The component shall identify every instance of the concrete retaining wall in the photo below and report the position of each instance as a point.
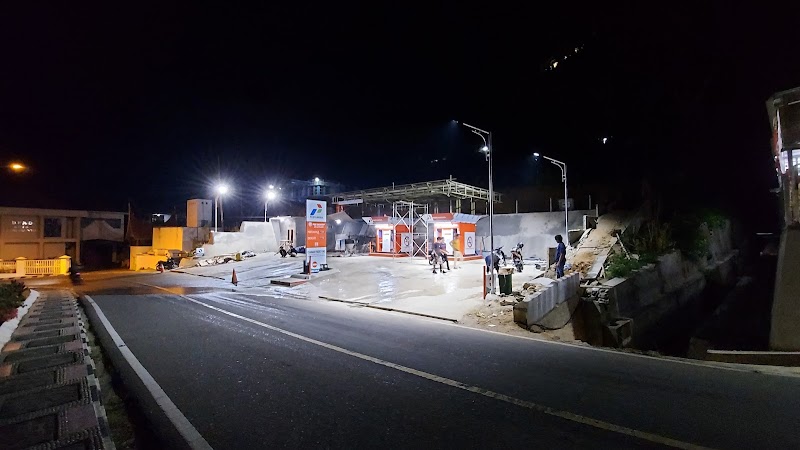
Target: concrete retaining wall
(253, 236)
(535, 230)
(536, 306)
(658, 291)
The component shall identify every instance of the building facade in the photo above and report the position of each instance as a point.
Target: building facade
(300, 190)
(49, 233)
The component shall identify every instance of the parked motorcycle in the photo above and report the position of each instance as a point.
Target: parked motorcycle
(169, 264)
(75, 275)
(292, 251)
(498, 258)
(516, 256)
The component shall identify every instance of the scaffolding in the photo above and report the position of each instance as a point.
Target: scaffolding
(415, 218)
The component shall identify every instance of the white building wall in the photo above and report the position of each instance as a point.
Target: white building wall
(254, 236)
(199, 213)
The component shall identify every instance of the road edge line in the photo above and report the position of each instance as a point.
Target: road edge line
(173, 426)
(385, 308)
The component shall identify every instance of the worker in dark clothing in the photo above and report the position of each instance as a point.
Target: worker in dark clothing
(561, 256)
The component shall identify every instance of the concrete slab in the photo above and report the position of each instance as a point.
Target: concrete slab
(42, 399)
(28, 433)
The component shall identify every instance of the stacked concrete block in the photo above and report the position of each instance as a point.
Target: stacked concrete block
(536, 306)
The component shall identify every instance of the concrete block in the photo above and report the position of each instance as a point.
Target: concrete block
(648, 285)
(671, 269)
(521, 310)
(541, 304)
(622, 297)
(560, 315)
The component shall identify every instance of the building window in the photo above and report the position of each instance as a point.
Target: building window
(52, 227)
(115, 223)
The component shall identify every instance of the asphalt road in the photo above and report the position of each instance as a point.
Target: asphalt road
(290, 372)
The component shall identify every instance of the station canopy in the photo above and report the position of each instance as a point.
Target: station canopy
(416, 192)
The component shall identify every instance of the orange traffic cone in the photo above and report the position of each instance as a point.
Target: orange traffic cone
(233, 278)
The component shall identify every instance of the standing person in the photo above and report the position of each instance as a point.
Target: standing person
(457, 255)
(561, 256)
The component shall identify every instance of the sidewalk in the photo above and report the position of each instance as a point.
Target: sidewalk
(49, 397)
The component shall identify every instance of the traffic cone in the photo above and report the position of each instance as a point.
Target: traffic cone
(233, 278)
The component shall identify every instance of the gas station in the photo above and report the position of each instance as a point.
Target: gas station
(421, 212)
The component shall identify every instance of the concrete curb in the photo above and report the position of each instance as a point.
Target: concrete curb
(169, 423)
(8, 327)
(94, 386)
(385, 308)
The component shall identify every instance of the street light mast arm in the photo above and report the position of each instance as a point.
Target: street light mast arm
(482, 137)
(474, 128)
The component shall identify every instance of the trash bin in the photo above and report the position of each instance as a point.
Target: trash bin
(505, 281)
(505, 284)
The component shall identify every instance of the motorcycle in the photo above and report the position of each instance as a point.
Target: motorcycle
(498, 257)
(292, 251)
(516, 256)
(169, 264)
(75, 275)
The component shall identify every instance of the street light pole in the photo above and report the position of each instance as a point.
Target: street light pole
(563, 166)
(487, 148)
(221, 190)
(270, 195)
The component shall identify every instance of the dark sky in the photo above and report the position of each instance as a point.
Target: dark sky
(148, 104)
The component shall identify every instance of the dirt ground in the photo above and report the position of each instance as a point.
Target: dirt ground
(498, 315)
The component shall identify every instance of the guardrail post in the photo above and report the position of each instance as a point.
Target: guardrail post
(64, 263)
(21, 266)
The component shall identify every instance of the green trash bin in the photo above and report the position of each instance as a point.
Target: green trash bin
(505, 284)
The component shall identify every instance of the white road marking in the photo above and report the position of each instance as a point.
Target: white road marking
(459, 385)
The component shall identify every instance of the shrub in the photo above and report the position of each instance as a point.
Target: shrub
(691, 237)
(11, 297)
(654, 238)
(620, 266)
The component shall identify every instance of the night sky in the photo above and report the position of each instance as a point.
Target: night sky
(148, 105)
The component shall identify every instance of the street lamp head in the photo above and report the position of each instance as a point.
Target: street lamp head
(485, 149)
(271, 195)
(536, 155)
(222, 189)
(17, 167)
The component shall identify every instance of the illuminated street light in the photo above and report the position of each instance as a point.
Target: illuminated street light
(563, 166)
(316, 179)
(487, 149)
(17, 167)
(221, 189)
(269, 196)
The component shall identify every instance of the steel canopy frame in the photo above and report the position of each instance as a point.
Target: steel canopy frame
(417, 191)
